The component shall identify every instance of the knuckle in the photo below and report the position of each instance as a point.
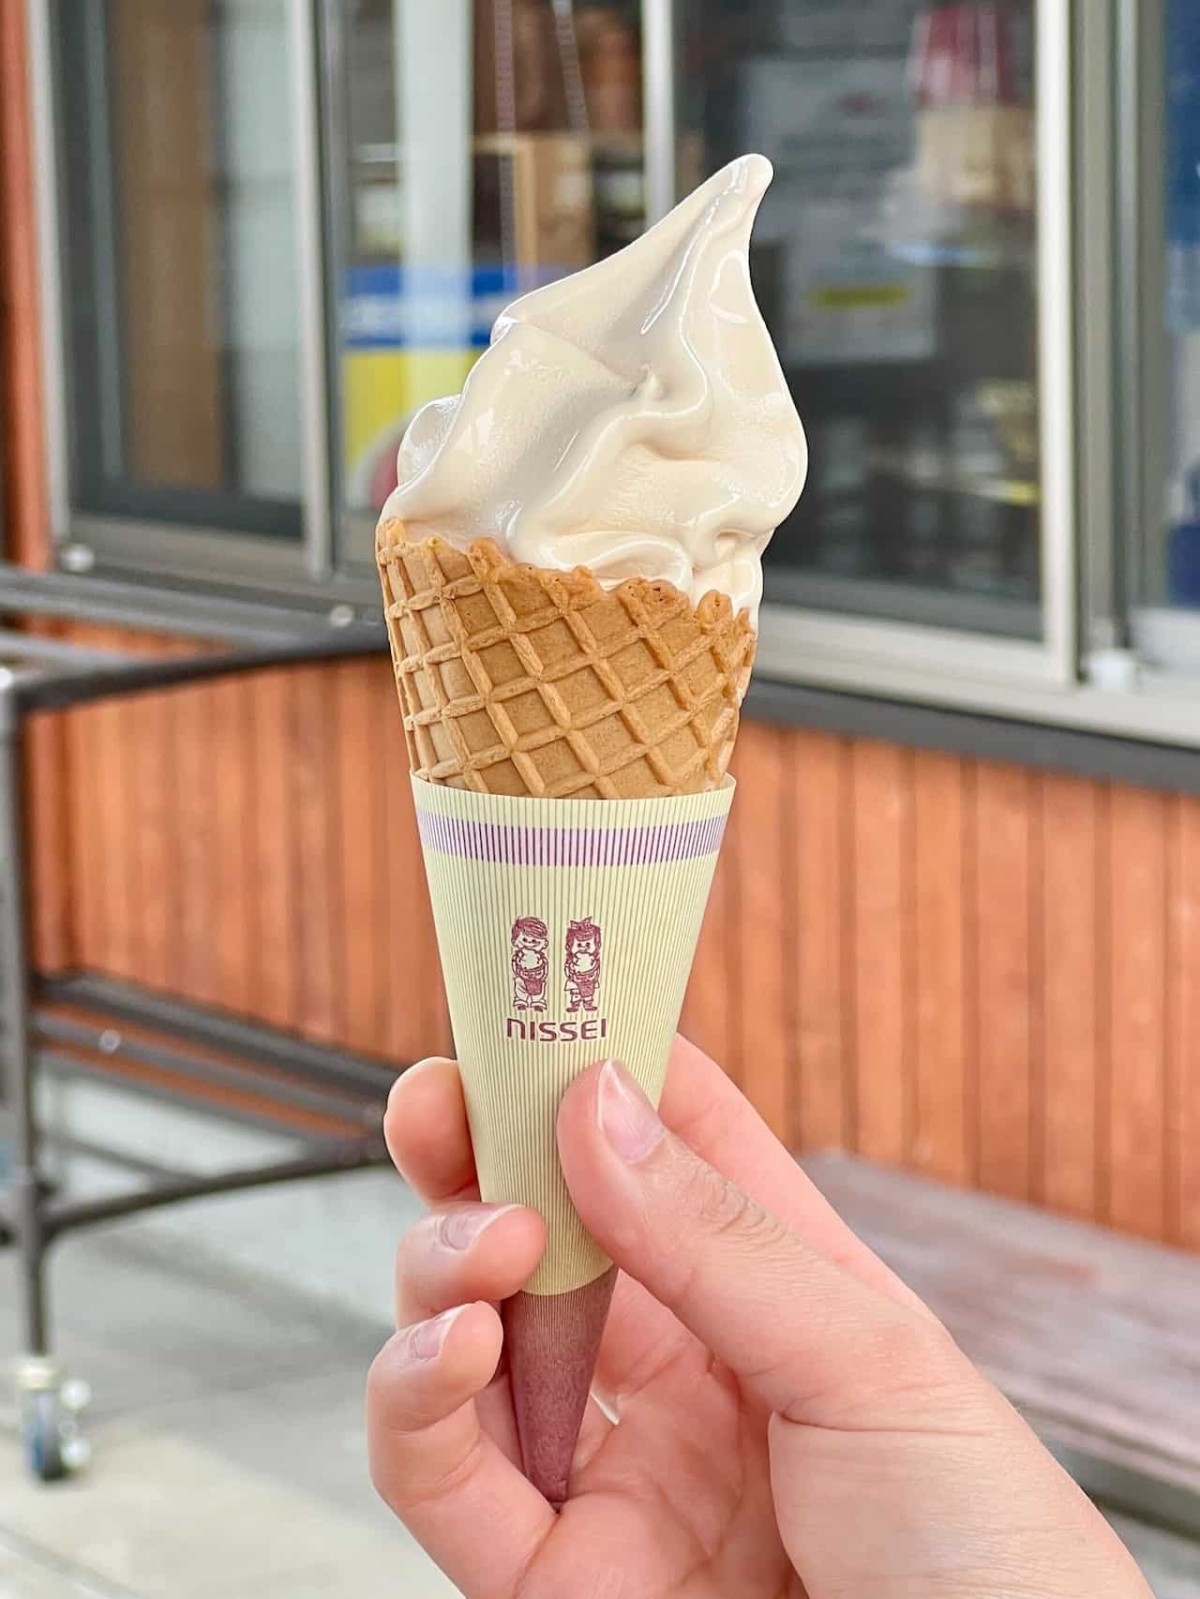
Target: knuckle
(724, 1216)
(707, 1196)
(422, 1240)
(727, 1213)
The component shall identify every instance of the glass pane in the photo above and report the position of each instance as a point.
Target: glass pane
(1173, 567)
(175, 128)
(894, 261)
(477, 150)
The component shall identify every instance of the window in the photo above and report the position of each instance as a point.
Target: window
(475, 151)
(179, 263)
(1167, 565)
(274, 228)
(895, 259)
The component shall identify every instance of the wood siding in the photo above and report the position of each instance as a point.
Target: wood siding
(967, 969)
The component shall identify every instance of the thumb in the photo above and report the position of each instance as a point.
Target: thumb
(873, 1402)
(809, 1340)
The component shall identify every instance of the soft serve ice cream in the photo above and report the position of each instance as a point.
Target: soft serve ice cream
(632, 419)
(570, 568)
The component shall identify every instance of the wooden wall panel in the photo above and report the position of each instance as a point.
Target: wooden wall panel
(711, 1007)
(762, 856)
(52, 926)
(822, 820)
(1071, 1025)
(1183, 986)
(1007, 882)
(944, 1034)
(883, 975)
(82, 757)
(987, 975)
(362, 808)
(271, 826)
(147, 733)
(101, 818)
(194, 726)
(1137, 997)
(148, 727)
(313, 799)
(231, 775)
(412, 991)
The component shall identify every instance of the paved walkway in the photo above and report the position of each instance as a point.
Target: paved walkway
(227, 1428)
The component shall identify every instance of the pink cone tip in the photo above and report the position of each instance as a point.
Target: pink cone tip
(552, 1341)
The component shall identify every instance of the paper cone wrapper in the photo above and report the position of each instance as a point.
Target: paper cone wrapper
(567, 930)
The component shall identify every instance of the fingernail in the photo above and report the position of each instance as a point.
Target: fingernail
(627, 1118)
(425, 1340)
(458, 1229)
(420, 1066)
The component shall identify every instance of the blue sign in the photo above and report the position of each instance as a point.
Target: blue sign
(395, 307)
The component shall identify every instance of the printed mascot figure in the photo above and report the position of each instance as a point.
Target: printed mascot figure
(530, 963)
(582, 965)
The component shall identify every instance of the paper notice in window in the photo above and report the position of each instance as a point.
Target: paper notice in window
(848, 301)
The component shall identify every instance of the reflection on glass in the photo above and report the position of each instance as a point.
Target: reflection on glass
(478, 150)
(180, 261)
(894, 261)
(1174, 574)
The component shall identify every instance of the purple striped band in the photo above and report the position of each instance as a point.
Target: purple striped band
(570, 846)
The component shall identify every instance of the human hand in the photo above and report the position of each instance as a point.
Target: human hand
(792, 1420)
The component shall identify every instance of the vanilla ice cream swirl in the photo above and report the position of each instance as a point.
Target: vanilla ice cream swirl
(632, 418)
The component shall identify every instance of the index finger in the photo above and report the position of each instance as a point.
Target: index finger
(425, 1128)
(430, 1142)
(433, 1463)
(429, 1139)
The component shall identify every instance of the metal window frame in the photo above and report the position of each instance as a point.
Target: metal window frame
(353, 528)
(122, 544)
(845, 651)
(1101, 588)
(660, 122)
(1161, 635)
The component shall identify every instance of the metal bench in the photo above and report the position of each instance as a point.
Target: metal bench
(83, 1025)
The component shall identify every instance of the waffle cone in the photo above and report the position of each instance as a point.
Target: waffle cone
(520, 680)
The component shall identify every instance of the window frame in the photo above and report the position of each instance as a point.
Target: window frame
(836, 648)
(1092, 668)
(118, 543)
(1157, 631)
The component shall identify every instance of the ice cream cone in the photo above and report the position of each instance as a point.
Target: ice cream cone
(569, 724)
(518, 680)
(520, 685)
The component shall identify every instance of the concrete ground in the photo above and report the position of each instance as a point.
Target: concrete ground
(226, 1421)
(226, 1343)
